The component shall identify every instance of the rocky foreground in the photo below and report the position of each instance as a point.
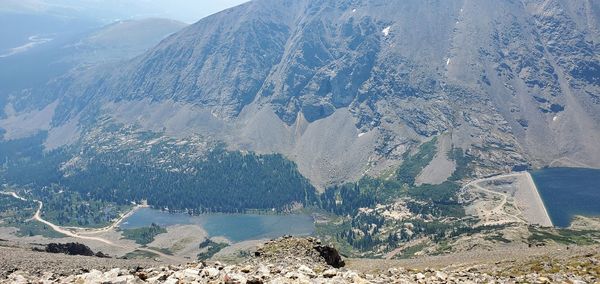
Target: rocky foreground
(306, 260)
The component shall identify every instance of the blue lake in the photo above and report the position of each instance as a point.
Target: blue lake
(235, 227)
(569, 191)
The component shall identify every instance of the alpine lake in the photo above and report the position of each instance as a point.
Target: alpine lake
(234, 227)
(567, 192)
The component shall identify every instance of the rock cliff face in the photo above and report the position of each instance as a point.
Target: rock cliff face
(343, 88)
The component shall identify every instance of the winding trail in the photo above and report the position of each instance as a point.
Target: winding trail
(486, 216)
(499, 209)
(37, 217)
(113, 226)
(67, 230)
(13, 194)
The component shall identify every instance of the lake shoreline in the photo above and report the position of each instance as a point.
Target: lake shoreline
(234, 227)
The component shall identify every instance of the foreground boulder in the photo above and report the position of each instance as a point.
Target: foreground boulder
(289, 249)
(70, 249)
(331, 256)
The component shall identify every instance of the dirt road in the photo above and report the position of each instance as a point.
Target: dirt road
(68, 231)
(534, 212)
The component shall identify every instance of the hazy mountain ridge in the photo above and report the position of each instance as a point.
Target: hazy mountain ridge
(51, 55)
(108, 11)
(122, 40)
(514, 82)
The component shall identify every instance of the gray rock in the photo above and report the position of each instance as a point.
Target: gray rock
(329, 273)
(211, 272)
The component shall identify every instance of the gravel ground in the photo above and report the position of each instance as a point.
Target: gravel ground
(466, 259)
(36, 263)
(305, 260)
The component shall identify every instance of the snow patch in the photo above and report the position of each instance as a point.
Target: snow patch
(386, 31)
(361, 134)
(353, 10)
(448, 61)
(555, 118)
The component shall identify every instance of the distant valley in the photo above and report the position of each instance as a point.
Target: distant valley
(51, 51)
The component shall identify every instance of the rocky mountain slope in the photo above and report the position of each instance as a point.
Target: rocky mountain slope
(291, 260)
(345, 88)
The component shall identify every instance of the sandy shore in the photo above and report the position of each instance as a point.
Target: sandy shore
(181, 240)
(585, 223)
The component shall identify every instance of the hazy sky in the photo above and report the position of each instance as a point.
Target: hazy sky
(188, 11)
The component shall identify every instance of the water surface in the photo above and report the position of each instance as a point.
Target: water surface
(568, 192)
(235, 227)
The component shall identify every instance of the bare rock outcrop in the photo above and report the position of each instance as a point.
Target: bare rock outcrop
(70, 249)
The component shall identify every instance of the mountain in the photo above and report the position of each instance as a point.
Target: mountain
(36, 35)
(346, 88)
(121, 40)
(403, 127)
(46, 47)
(28, 39)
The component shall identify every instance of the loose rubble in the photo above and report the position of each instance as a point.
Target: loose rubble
(300, 260)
